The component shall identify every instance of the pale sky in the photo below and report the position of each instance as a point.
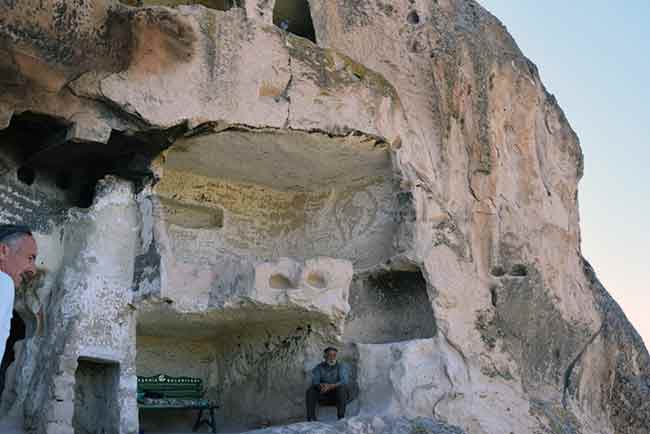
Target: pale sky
(594, 56)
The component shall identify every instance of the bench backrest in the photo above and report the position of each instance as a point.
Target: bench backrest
(171, 387)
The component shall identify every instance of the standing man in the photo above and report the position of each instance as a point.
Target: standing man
(17, 265)
(329, 383)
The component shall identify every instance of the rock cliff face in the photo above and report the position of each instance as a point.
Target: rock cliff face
(221, 188)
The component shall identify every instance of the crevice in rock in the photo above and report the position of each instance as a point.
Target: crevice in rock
(494, 298)
(294, 16)
(218, 127)
(285, 93)
(571, 367)
(460, 353)
(220, 5)
(133, 119)
(540, 143)
(470, 174)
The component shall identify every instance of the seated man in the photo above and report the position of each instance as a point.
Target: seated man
(329, 383)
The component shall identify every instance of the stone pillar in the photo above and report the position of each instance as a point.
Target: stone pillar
(92, 321)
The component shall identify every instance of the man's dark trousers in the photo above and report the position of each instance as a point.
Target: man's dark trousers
(338, 396)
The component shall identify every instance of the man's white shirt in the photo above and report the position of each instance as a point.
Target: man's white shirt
(7, 294)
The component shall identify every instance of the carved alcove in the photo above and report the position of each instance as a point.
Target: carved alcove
(294, 16)
(389, 306)
(96, 406)
(248, 221)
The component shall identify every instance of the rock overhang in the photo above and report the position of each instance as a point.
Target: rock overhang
(160, 319)
(282, 159)
(242, 72)
(237, 72)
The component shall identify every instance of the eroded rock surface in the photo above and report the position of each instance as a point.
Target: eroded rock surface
(219, 189)
(375, 425)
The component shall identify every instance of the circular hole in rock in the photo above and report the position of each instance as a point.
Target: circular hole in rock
(413, 18)
(26, 175)
(316, 280)
(279, 281)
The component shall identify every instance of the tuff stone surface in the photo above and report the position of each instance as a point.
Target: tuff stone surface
(373, 425)
(214, 196)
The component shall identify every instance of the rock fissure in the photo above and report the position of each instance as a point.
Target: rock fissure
(570, 368)
(285, 93)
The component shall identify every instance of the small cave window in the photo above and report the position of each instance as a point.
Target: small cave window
(294, 16)
(413, 18)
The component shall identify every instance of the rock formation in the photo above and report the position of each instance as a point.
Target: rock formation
(220, 188)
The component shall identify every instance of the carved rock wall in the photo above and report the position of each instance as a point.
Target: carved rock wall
(207, 186)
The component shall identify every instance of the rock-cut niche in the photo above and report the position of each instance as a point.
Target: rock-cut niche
(45, 159)
(264, 194)
(294, 16)
(96, 408)
(389, 306)
(35, 146)
(229, 199)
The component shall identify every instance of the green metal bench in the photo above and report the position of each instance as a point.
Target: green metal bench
(164, 392)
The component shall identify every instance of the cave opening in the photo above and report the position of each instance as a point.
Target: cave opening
(48, 157)
(294, 16)
(230, 199)
(255, 372)
(389, 306)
